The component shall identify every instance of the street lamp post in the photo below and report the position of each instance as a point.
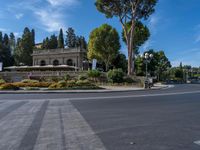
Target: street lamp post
(148, 57)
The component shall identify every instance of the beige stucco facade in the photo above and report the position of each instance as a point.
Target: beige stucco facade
(72, 57)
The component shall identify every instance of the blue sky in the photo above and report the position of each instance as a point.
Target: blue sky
(175, 26)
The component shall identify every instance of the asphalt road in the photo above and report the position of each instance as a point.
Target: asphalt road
(141, 120)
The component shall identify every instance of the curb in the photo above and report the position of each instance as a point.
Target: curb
(84, 91)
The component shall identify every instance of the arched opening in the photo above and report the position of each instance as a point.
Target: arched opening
(70, 62)
(55, 62)
(42, 63)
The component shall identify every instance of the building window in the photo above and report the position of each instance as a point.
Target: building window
(42, 63)
(55, 62)
(70, 62)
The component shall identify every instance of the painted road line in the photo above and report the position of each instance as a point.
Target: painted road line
(29, 139)
(78, 133)
(15, 124)
(10, 108)
(134, 96)
(51, 132)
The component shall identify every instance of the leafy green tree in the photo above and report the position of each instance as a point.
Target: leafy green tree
(104, 44)
(61, 39)
(141, 35)
(127, 11)
(179, 73)
(46, 44)
(5, 52)
(53, 42)
(6, 40)
(71, 38)
(81, 42)
(24, 48)
(12, 43)
(157, 66)
(139, 66)
(1, 38)
(120, 62)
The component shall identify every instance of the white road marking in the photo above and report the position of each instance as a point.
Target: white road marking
(197, 142)
(64, 128)
(15, 125)
(79, 135)
(106, 97)
(132, 96)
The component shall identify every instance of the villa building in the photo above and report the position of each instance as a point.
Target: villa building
(56, 57)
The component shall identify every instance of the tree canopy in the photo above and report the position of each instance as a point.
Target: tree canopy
(61, 39)
(141, 35)
(104, 44)
(127, 11)
(24, 49)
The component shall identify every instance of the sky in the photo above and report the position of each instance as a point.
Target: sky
(174, 27)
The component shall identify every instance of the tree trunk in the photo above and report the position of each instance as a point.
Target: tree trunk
(130, 58)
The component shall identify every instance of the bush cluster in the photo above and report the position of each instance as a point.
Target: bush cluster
(94, 73)
(36, 84)
(2, 81)
(116, 76)
(71, 84)
(29, 81)
(8, 86)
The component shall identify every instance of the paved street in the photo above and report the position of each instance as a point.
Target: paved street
(167, 119)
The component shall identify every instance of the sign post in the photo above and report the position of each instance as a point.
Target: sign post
(1, 66)
(94, 64)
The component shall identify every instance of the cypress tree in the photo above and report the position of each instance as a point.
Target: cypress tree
(33, 36)
(53, 43)
(61, 39)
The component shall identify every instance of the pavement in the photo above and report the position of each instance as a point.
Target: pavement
(164, 119)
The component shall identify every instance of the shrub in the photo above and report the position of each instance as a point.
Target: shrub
(82, 77)
(71, 83)
(62, 83)
(116, 75)
(53, 86)
(8, 86)
(83, 83)
(38, 84)
(2, 81)
(29, 81)
(128, 80)
(94, 73)
(67, 77)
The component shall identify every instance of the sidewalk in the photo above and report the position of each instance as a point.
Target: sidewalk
(106, 89)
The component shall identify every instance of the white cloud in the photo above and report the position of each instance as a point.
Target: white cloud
(3, 29)
(18, 34)
(153, 22)
(49, 17)
(19, 16)
(147, 45)
(51, 21)
(62, 2)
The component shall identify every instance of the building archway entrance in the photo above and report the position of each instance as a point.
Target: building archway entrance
(55, 62)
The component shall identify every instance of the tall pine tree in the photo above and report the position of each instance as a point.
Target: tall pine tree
(61, 39)
(25, 48)
(71, 38)
(53, 43)
(12, 43)
(33, 36)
